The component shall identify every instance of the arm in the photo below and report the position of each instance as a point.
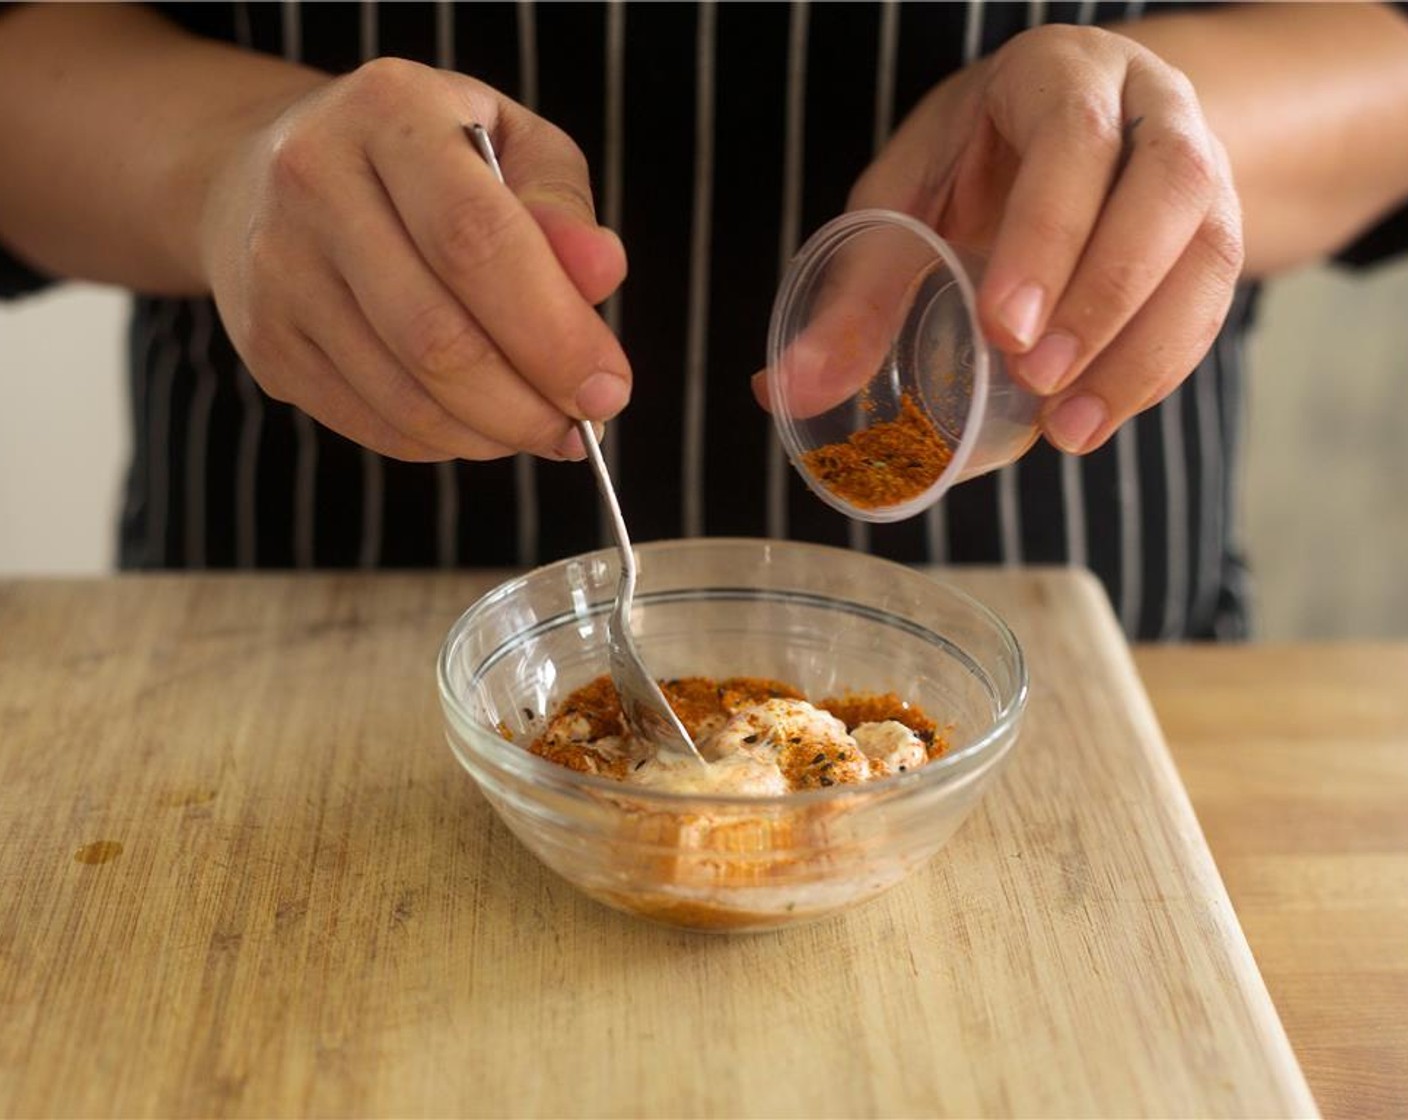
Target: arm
(368, 266)
(109, 167)
(1311, 102)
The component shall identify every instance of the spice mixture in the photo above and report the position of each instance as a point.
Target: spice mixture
(762, 737)
(885, 464)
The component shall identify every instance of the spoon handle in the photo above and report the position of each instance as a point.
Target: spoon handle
(642, 703)
(613, 506)
(480, 137)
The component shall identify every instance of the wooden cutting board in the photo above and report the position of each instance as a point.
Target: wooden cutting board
(242, 875)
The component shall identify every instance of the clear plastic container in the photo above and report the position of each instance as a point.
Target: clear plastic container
(882, 387)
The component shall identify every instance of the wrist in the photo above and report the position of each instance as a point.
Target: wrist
(208, 177)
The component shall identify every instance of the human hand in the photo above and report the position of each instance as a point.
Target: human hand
(1081, 165)
(372, 271)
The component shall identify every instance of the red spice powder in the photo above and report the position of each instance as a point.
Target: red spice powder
(701, 700)
(885, 464)
(696, 700)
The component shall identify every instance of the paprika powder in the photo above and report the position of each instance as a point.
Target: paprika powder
(885, 464)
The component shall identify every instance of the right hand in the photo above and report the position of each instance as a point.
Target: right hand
(371, 270)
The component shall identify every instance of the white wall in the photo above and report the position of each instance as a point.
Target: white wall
(63, 440)
(1327, 472)
(1327, 469)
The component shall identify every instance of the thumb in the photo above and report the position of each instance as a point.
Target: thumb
(852, 288)
(866, 286)
(592, 256)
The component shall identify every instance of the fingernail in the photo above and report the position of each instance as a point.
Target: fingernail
(1074, 421)
(602, 396)
(759, 385)
(1046, 363)
(1020, 313)
(616, 237)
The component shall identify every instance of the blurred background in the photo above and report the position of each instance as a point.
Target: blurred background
(1325, 505)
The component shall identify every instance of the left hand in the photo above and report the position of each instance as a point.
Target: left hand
(1082, 166)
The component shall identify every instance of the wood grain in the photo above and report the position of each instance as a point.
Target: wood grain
(1296, 758)
(314, 912)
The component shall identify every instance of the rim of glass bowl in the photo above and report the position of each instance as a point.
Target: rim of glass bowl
(522, 763)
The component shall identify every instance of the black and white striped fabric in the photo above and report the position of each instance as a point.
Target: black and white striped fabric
(720, 136)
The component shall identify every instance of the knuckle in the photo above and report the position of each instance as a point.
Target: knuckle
(373, 430)
(1221, 238)
(475, 232)
(1046, 40)
(421, 420)
(1188, 165)
(1180, 85)
(1067, 47)
(296, 162)
(350, 418)
(1165, 380)
(1090, 120)
(1048, 226)
(567, 185)
(385, 84)
(543, 434)
(442, 344)
(1118, 286)
(401, 402)
(1162, 377)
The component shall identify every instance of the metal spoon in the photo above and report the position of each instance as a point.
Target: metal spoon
(643, 706)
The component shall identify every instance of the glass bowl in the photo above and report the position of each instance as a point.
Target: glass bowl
(825, 620)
